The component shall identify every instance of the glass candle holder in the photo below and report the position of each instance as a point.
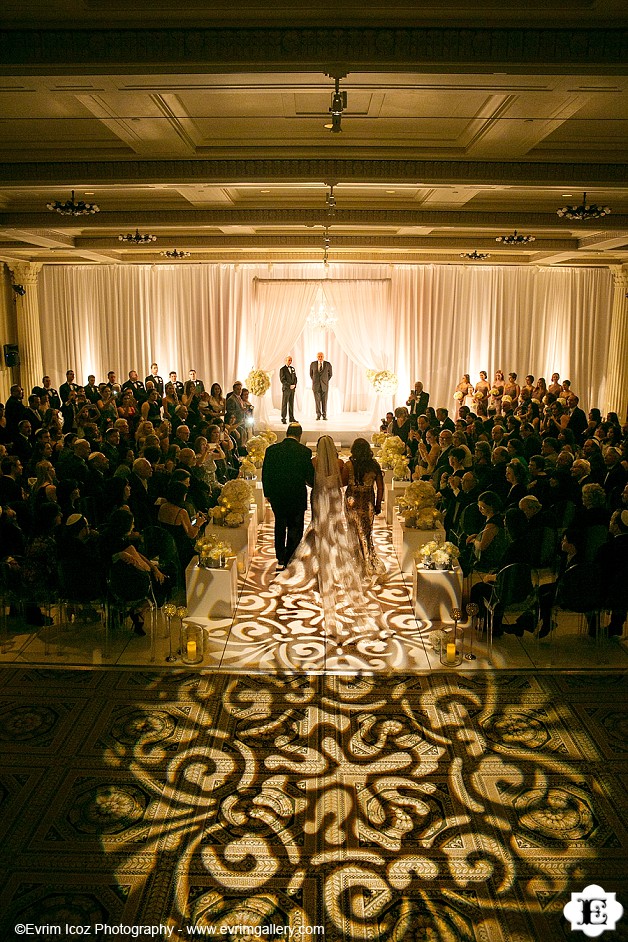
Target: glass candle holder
(191, 643)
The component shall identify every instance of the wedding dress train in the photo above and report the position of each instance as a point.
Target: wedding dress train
(325, 560)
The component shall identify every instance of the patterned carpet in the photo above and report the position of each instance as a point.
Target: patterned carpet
(395, 808)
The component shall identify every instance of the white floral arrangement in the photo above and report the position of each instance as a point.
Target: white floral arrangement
(233, 504)
(562, 401)
(494, 391)
(418, 507)
(392, 448)
(458, 395)
(268, 435)
(256, 449)
(212, 550)
(258, 382)
(479, 395)
(378, 439)
(506, 399)
(401, 469)
(435, 555)
(248, 468)
(383, 381)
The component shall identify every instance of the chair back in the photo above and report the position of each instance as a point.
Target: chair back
(580, 589)
(514, 584)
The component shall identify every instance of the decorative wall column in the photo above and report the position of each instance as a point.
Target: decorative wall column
(28, 329)
(617, 371)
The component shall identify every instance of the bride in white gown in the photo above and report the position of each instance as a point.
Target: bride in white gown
(325, 560)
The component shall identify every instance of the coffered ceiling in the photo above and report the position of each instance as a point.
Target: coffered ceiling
(452, 135)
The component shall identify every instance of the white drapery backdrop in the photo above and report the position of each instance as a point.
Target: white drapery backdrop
(432, 323)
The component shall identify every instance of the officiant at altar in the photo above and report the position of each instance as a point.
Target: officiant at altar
(320, 373)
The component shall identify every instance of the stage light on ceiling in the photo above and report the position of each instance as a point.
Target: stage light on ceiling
(583, 212)
(137, 238)
(72, 207)
(338, 105)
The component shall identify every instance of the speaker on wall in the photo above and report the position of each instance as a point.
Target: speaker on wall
(11, 354)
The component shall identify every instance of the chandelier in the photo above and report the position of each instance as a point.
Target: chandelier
(320, 317)
(326, 246)
(584, 212)
(330, 202)
(515, 238)
(338, 105)
(475, 256)
(137, 238)
(175, 254)
(72, 208)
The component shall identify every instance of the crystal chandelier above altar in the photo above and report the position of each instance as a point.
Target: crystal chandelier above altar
(321, 317)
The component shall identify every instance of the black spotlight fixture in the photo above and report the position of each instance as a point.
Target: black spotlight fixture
(338, 105)
(20, 290)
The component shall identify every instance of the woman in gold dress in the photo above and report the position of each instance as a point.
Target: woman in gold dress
(364, 482)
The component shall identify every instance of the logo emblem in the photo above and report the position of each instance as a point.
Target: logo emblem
(593, 911)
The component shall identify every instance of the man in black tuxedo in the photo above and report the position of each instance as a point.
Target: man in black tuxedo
(288, 378)
(286, 473)
(48, 389)
(178, 385)
(577, 419)
(419, 400)
(199, 385)
(320, 374)
(136, 386)
(155, 379)
(66, 388)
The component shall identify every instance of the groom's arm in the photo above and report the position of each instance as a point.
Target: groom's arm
(330, 372)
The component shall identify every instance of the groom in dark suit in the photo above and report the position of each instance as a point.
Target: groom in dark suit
(286, 473)
(320, 374)
(288, 378)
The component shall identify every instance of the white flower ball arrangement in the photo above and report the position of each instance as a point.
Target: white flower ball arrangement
(248, 468)
(383, 381)
(233, 504)
(258, 382)
(256, 449)
(458, 396)
(401, 470)
(392, 448)
(506, 400)
(378, 439)
(418, 507)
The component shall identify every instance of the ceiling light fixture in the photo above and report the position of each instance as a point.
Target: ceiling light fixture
(515, 238)
(327, 244)
(73, 208)
(338, 105)
(583, 212)
(475, 256)
(174, 253)
(330, 202)
(137, 238)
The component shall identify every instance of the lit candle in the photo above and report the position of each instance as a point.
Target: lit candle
(191, 650)
(451, 654)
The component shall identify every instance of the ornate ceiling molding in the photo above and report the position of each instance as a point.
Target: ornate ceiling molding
(202, 49)
(316, 170)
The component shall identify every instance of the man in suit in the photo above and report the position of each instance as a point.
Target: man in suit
(320, 374)
(136, 386)
(288, 378)
(419, 400)
(178, 385)
(577, 419)
(286, 473)
(199, 385)
(47, 389)
(66, 388)
(155, 379)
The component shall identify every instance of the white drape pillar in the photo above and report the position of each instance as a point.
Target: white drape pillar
(617, 376)
(28, 325)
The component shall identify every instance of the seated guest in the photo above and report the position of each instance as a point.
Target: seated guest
(174, 518)
(39, 566)
(133, 577)
(612, 561)
(83, 575)
(490, 544)
(517, 477)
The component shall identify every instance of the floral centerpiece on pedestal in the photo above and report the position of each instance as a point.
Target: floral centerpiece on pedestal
(233, 504)
(435, 555)
(392, 449)
(401, 469)
(258, 382)
(248, 470)
(212, 551)
(378, 439)
(256, 448)
(383, 381)
(418, 507)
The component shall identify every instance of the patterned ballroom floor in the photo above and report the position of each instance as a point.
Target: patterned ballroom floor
(398, 808)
